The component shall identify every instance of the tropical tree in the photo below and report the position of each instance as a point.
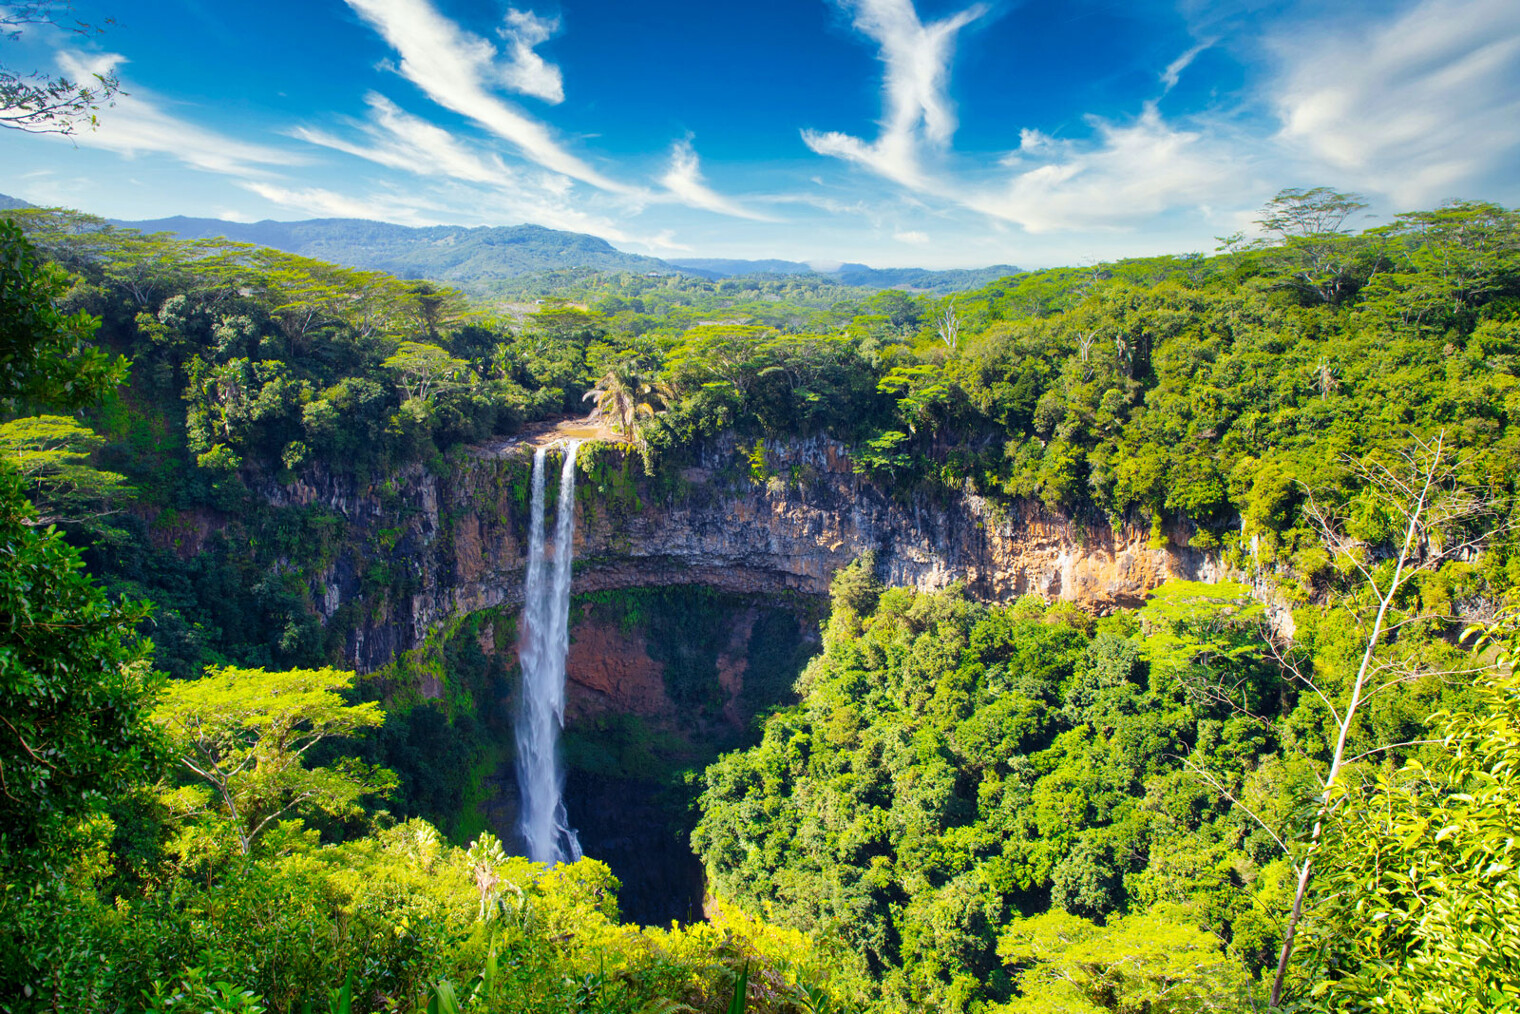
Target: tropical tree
(40, 103)
(1311, 226)
(45, 355)
(423, 370)
(558, 321)
(51, 453)
(486, 857)
(147, 268)
(1448, 261)
(623, 395)
(1420, 885)
(246, 733)
(75, 683)
(1195, 632)
(74, 678)
(1416, 508)
(1156, 962)
(718, 357)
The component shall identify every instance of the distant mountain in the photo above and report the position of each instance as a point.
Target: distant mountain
(479, 259)
(468, 257)
(954, 280)
(854, 274)
(720, 267)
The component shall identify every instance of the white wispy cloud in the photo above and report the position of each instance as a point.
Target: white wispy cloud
(1418, 107)
(913, 236)
(1173, 72)
(451, 202)
(526, 71)
(917, 108)
(823, 203)
(456, 69)
(331, 204)
(664, 240)
(684, 180)
(400, 140)
(1126, 174)
(138, 124)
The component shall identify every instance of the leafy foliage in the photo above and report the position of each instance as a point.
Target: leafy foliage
(74, 685)
(52, 453)
(979, 807)
(1419, 902)
(74, 682)
(45, 355)
(1157, 962)
(246, 733)
(1018, 805)
(943, 774)
(35, 102)
(393, 921)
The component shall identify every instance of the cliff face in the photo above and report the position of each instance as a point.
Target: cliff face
(453, 544)
(715, 583)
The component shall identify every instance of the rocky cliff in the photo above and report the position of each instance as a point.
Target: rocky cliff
(699, 594)
(450, 544)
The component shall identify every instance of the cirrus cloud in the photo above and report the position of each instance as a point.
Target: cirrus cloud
(684, 180)
(526, 71)
(1423, 104)
(456, 68)
(138, 123)
(917, 110)
(1128, 173)
(400, 140)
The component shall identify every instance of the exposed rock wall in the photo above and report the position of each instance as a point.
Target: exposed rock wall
(455, 543)
(658, 681)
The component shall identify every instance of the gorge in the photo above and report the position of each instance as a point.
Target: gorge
(751, 553)
(928, 653)
(462, 540)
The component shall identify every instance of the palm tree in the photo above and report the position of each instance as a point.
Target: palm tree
(624, 394)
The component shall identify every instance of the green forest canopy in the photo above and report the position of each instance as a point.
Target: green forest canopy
(993, 807)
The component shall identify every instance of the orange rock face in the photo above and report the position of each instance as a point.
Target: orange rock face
(610, 671)
(461, 543)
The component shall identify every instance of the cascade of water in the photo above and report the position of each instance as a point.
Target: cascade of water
(546, 640)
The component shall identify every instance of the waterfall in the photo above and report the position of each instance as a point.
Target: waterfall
(546, 639)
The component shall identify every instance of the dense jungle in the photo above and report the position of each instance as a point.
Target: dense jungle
(1134, 637)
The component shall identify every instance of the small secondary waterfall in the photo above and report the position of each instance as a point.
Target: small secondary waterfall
(546, 639)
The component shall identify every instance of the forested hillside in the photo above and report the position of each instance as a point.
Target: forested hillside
(966, 805)
(506, 261)
(479, 258)
(920, 279)
(992, 803)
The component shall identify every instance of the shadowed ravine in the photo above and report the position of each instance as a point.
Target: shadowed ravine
(651, 553)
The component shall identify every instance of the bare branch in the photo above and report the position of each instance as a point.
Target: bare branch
(1437, 519)
(948, 326)
(1287, 662)
(1392, 746)
(1218, 787)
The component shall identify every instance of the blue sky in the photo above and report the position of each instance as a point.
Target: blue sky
(884, 131)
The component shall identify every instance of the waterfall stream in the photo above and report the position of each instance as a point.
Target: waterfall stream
(546, 640)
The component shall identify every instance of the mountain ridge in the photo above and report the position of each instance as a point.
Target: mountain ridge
(479, 258)
(446, 253)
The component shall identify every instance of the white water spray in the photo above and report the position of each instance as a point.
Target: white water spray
(546, 640)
